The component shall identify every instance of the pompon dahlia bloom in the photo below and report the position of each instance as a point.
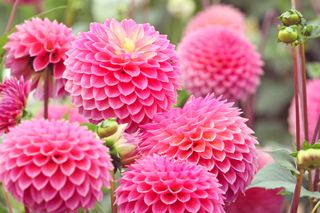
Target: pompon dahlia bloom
(259, 199)
(54, 166)
(58, 112)
(313, 99)
(39, 46)
(209, 132)
(123, 70)
(223, 15)
(218, 60)
(160, 184)
(13, 100)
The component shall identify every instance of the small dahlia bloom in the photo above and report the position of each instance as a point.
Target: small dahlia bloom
(313, 100)
(54, 166)
(57, 112)
(223, 15)
(209, 132)
(259, 199)
(37, 47)
(218, 60)
(13, 100)
(124, 70)
(159, 184)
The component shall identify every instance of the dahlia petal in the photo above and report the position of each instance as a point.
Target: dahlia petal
(40, 62)
(49, 168)
(58, 180)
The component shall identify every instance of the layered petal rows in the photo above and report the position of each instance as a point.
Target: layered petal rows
(54, 166)
(219, 60)
(158, 184)
(209, 132)
(123, 70)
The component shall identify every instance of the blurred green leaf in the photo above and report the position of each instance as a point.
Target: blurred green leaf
(183, 96)
(313, 70)
(90, 126)
(315, 33)
(283, 158)
(3, 41)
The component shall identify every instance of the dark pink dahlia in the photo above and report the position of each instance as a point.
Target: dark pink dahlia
(219, 60)
(36, 48)
(158, 184)
(13, 100)
(54, 166)
(209, 132)
(124, 70)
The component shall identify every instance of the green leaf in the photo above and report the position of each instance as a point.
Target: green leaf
(275, 176)
(283, 158)
(3, 41)
(183, 96)
(313, 70)
(90, 126)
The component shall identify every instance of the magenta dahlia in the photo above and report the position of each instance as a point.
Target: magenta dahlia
(13, 100)
(54, 166)
(209, 132)
(218, 60)
(259, 199)
(313, 100)
(36, 48)
(124, 70)
(218, 15)
(158, 184)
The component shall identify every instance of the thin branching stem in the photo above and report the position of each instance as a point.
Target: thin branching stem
(7, 199)
(114, 208)
(46, 93)
(12, 15)
(296, 194)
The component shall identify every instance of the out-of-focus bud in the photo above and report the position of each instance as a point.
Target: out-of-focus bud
(107, 128)
(181, 8)
(291, 17)
(309, 159)
(288, 35)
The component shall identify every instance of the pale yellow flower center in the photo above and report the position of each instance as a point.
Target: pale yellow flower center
(129, 44)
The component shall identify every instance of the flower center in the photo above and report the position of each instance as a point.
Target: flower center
(129, 44)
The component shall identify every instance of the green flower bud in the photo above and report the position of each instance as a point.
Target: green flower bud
(288, 35)
(309, 159)
(107, 128)
(307, 30)
(291, 17)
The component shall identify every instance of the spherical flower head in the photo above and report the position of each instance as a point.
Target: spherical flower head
(313, 100)
(54, 166)
(259, 199)
(158, 184)
(38, 47)
(13, 100)
(124, 70)
(209, 132)
(222, 15)
(58, 112)
(219, 60)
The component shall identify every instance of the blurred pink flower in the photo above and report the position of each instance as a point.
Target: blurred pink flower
(124, 70)
(313, 99)
(218, 60)
(13, 100)
(223, 15)
(158, 184)
(259, 199)
(209, 132)
(54, 166)
(36, 47)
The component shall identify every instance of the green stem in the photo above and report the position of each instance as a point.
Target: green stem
(314, 210)
(46, 94)
(12, 15)
(296, 194)
(114, 208)
(7, 199)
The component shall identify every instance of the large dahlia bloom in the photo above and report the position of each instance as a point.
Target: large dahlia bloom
(209, 132)
(259, 199)
(36, 49)
(313, 99)
(223, 15)
(158, 184)
(54, 166)
(218, 60)
(13, 100)
(124, 70)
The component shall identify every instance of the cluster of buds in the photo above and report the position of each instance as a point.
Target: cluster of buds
(122, 145)
(293, 28)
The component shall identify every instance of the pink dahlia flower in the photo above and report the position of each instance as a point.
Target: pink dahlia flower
(259, 199)
(158, 184)
(218, 60)
(218, 15)
(57, 112)
(209, 132)
(124, 70)
(39, 46)
(313, 99)
(13, 100)
(54, 166)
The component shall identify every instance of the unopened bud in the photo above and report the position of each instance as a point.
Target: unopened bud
(107, 128)
(291, 17)
(309, 159)
(288, 35)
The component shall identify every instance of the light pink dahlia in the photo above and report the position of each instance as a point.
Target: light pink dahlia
(223, 15)
(313, 99)
(39, 46)
(124, 70)
(218, 60)
(57, 112)
(54, 166)
(259, 199)
(13, 100)
(158, 184)
(209, 132)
